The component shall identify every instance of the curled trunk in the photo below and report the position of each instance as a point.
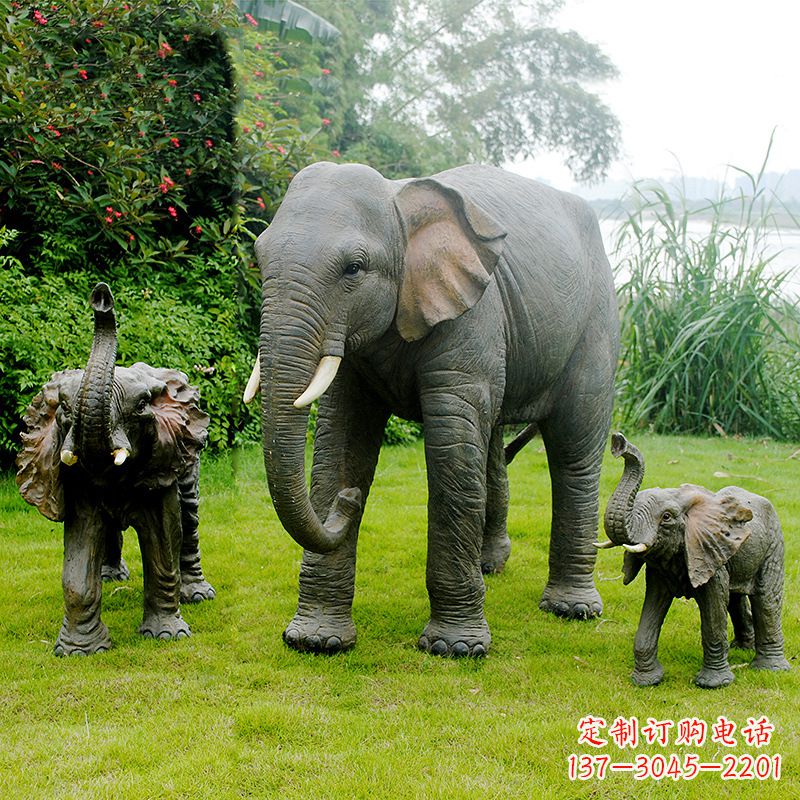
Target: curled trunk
(92, 423)
(620, 507)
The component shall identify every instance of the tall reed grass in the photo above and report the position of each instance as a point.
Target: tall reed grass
(710, 336)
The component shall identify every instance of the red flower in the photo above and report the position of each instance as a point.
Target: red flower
(56, 165)
(209, 143)
(175, 141)
(261, 203)
(172, 212)
(83, 74)
(198, 230)
(98, 24)
(172, 82)
(325, 122)
(245, 129)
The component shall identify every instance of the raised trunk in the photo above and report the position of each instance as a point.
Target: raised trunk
(620, 507)
(287, 365)
(92, 421)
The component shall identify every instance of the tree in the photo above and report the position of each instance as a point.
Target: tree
(423, 86)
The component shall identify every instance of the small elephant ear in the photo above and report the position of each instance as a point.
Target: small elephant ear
(452, 248)
(39, 462)
(716, 527)
(181, 427)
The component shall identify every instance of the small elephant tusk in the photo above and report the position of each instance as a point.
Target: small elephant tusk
(323, 378)
(635, 548)
(68, 457)
(604, 545)
(120, 456)
(253, 383)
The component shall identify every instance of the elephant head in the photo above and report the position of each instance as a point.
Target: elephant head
(104, 423)
(375, 255)
(701, 528)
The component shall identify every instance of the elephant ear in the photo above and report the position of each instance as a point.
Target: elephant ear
(716, 527)
(39, 461)
(452, 248)
(181, 428)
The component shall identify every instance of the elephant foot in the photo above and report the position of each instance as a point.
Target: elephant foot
(441, 639)
(195, 591)
(165, 626)
(115, 572)
(571, 602)
(714, 678)
(774, 663)
(494, 554)
(648, 677)
(76, 643)
(326, 634)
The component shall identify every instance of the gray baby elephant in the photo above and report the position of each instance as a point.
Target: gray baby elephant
(717, 548)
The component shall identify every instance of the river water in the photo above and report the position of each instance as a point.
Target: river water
(782, 243)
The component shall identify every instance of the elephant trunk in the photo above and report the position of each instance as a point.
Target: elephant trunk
(92, 425)
(617, 519)
(288, 362)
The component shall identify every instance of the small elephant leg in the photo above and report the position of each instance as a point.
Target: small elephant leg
(712, 598)
(194, 586)
(114, 566)
(350, 426)
(742, 619)
(83, 632)
(158, 524)
(766, 602)
(657, 601)
(496, 544)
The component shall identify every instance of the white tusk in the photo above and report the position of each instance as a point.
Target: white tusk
(120, 456)
(604, 545)
(68, 457)
(635, 548)
(253, 384)
(323, 378)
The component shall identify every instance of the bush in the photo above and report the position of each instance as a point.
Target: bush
(709, 341)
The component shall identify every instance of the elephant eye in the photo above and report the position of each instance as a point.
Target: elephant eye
(353, 268)
(666, 516)
(141, 406)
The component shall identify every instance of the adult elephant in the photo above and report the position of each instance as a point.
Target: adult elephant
(468, 300)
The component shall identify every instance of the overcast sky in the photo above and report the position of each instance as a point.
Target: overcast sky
(702, 82)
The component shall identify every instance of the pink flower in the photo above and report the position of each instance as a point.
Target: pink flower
(260, 125)
(109, 220)
(166, 184)
(98, 24)
(209, 143)
(245, 129)
(164, 50)
(325, 122)
(131, 237)
(175, 141)
(326, 71)
(110, 209)
(258, 46)
(188, 172)
(251, 21)
(261, 203)
(198, 230)
(39, 18)
(336, 154)
(196, 97)
(83, 74)
(172, 212)
(56, 166)
(258, 74)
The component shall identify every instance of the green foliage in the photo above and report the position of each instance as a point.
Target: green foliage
(233, 713)
(418, 87)
(709, 338)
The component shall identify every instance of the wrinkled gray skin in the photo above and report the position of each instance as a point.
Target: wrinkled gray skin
(66, 468)
(466, 301)
(719, 549)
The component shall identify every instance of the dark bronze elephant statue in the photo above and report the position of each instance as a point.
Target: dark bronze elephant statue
(469, 300)
(107, 448)
(719, 548)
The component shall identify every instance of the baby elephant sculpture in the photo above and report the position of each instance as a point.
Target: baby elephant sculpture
(107, 448)
(717, 548)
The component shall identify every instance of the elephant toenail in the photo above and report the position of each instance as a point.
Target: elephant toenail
(334, 644)
(478, 651)
(314, 643)
(439, 647)
(423, 643)
(580, 611)
(459, 650)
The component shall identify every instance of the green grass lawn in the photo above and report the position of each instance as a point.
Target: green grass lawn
(233, 713)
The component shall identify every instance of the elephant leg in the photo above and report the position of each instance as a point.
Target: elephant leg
(742, 619)
(496, 544)
(712, 598)
(158, 523)
(574, 436)
(83, 632)
(456, 447)
(114, 566)
(350, 426)
(194, 586)
(657, 601)
(766, 602)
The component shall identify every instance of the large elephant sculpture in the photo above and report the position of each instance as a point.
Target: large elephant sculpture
(719, 548)
(107, 448)
(468, 300)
